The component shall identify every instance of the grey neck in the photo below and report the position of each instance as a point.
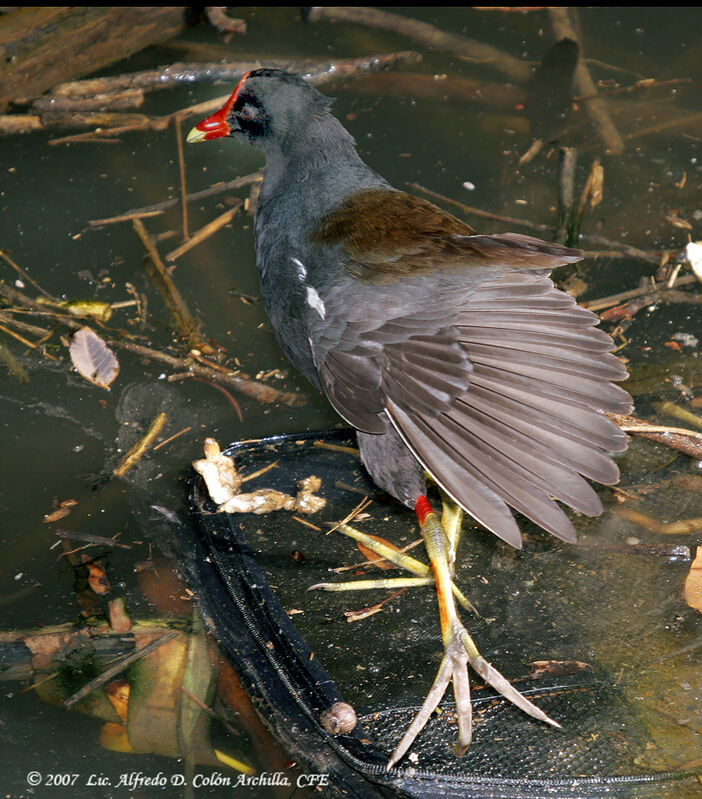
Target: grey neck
(324, 161)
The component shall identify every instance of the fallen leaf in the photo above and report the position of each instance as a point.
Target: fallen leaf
(97, 577)
(92, 358)
(556, 668)
(368, 554)
(693, 583)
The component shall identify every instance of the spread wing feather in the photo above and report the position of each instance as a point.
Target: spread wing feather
(503, 406)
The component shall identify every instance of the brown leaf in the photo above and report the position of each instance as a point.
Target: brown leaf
(97, 577)
(556, 668)
(368, 554)
(625, 311)
(693, 583)
(92, 358)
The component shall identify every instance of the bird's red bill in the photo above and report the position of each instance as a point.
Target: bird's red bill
(216, 125)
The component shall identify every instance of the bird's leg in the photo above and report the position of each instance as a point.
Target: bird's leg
(451, 518)
(454, 666)
(459, 649)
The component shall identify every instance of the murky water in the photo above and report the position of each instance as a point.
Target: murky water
(59, 434)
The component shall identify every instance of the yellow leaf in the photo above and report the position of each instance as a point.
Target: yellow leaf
(693, 583)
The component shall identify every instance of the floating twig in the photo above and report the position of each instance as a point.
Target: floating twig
(188, 328)
(91, 539)
(125, 217)
(222, 390)
(363, 613)
(205, 232)
(103, 101)
(681, 527)
(136, 453)
(687, 441)
(676, 412)
(157, 208)
(252, 388)
(172, 438)
(181, 174)
(24, 275)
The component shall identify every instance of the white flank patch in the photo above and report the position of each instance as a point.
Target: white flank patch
(301, 270)
(315, 301)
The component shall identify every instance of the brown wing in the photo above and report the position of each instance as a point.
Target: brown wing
(389, 235)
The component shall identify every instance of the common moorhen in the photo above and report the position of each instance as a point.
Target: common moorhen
(450, 352)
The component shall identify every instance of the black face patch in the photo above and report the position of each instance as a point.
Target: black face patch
(249, 116)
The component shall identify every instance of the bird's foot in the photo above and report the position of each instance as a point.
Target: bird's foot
(458, 653)
(453, 668)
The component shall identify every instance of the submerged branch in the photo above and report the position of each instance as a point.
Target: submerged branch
(425, 34)
(252, 388)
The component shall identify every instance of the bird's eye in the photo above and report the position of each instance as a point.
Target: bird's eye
(248, 111)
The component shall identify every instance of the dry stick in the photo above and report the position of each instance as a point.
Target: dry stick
(157, 208)
(671, 409)
(108, 674)
(205, 232)
(172, 438)
(103, 101)
(231, 72)
(186, 325)
(584, 85)
(136, 453)
(661, 126)
(643, 84)
(634, 252)
(687, 441)
(35, 329)
(126, 217)
(181, 172)
(316, 73)
(425, 34)
(623, 296)
(251, 388)
(19, 338)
